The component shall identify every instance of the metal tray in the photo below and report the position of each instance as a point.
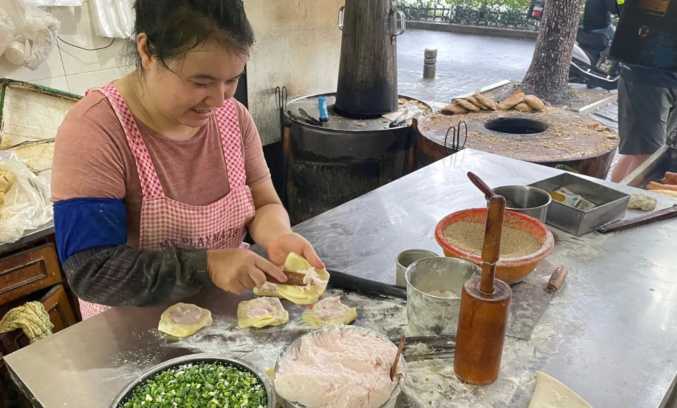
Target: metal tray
(195, 358)
(610, 204)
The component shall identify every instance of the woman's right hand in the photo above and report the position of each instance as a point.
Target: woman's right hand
(238, 270)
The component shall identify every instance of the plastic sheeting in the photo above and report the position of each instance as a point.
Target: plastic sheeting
(113, 18)
(27, 33)
(27, 205)
(51, 3)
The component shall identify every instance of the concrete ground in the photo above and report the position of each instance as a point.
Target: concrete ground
(465, 62)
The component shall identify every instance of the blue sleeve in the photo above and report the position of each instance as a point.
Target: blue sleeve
(86, 223)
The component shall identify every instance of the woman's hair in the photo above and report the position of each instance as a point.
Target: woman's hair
(174, 27)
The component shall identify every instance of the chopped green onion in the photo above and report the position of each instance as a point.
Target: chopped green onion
(198, 385)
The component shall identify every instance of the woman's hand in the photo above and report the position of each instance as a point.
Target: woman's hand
(238, 270)
(279, 248)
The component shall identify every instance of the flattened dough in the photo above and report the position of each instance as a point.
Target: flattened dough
(550, 393)
(184, 319)
(261, 312)
(329, 311)
(301, 295)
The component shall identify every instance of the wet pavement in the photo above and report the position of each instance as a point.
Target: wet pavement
(465, 62)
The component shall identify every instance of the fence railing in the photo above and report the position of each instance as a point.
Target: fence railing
(472, 15)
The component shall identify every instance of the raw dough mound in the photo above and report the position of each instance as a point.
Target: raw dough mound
(338, 367)
(301, 295)
(550, 393)
(184, 319)
(642, 202)
(329, 311)
(261, 312)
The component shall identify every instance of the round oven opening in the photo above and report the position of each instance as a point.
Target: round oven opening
(517, 126)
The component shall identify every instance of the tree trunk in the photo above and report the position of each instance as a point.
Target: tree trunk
(548, 75)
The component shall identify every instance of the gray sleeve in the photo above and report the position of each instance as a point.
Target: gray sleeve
(125, 276)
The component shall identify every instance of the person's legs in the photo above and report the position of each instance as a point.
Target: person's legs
(625, 164)
(672, 118)
(644, 113)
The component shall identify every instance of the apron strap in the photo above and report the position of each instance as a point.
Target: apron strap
(228, 122)
(148, 177)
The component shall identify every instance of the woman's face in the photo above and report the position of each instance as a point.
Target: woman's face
(195, 84)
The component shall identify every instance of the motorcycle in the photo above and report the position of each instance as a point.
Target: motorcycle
(590, 62)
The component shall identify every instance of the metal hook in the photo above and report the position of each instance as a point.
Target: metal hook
(282, 96)
(458, 132)
(462, 125)
(451, 129)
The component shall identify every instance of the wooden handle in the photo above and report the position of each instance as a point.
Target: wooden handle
(556, 279)
(492, 243)
(479, 183)
(660, 215)
(393, 368)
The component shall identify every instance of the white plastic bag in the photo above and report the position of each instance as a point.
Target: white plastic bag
(35, 33)
(27, 206)
(52, 3)
(40, 30)
(113, 18)
(7, 29)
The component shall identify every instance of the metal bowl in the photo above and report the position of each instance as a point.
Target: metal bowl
(392, 400)
(197, 358)
(431, 311)
(527, 200)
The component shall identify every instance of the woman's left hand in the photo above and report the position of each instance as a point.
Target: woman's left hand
(279, 248)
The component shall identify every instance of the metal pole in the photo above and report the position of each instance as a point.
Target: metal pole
(429, 63)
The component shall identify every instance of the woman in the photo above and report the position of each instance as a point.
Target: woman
(158, 176)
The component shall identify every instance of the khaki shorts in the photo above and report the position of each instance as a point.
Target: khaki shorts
(647, 117)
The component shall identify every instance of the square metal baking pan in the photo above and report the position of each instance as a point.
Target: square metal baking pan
(610, 204)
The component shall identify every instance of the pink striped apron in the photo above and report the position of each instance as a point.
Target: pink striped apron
(169, 223)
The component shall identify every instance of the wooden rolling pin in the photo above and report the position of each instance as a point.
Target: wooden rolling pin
(483, 315)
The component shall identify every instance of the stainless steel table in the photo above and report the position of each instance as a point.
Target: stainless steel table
(609, 334)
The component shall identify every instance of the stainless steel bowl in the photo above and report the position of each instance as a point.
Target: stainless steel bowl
(198, 358)
(392, 401)
(531, 201)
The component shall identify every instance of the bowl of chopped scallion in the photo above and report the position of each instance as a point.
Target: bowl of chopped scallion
(199, 381)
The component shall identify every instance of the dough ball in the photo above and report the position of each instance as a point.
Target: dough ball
(184, 319)
(329, 311)
(642, 202)
(261, 312)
